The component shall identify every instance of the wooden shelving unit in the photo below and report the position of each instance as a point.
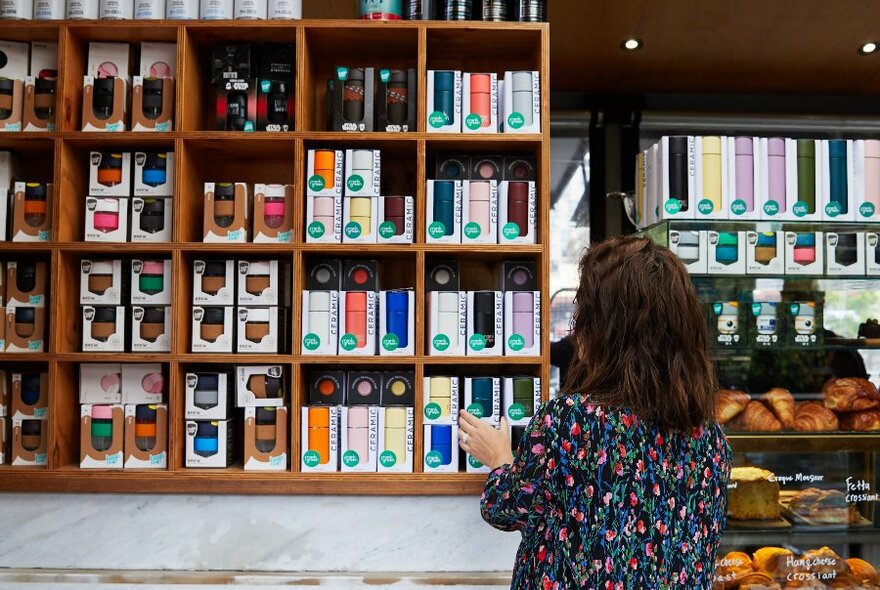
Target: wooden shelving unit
(206, 155)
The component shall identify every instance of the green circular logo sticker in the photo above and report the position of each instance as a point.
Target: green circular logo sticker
(432, 411)
(355, 183)
(311, 459)
(672, 206)
(476, 410)
(516, 412)
(441, 342)
(705, 206)
(316, 229)
(437, 120)
(390, 342)
(353, 230)
(516, 120)
(516, 342)
(771, 208)
(437, 230)
(867, 210)
(738, 207)
(316, 183)
(473, 121)
(832, 209)
(311, 341)
(348, 342)
(387, 459)
(800, 209)
(472, 230)
(350, 459)
(477, 342)
(510, 231)
(387, 230)
(433, 459)
(474, 463)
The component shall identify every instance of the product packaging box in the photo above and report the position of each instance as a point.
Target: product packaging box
(265, 438)
(480, 103)
(319, 444)
(29, 395)
(692, 247)
(29, 442)
(100, 383)
(276, 105)
(153, 89)
(4, 441)
(866, 190)
(396, 219)
(103, 328)
(872, 254)
(396, 101)
(142, 383)
(258, 329)
(216, 9)
(25, 329)
(727, 252)
(397, 323)
(258, 283)
(522, 323)
(31, 212)
(440, 447)
(100, 282)
(116, 9)
(444, 211)
(327, 388)
(363, 173)
(398, 388)
(210, 443)
(804, 326)
(744, 172)
(765, 253)
(845, 254)
(444, 101)
(14, 69)
(82, 9)
(482, 397)
(804, 253)
(677, 172)
(9, 171)
(105, 99)
(151, 218)
(213, 329)
(517, 212)
(447, 309)
(396, 440)
(40, 87)
(273, 213)
(362, 388)
(359, 220)
(485, 323)
(260, 385)
(214, 282)
(727, 325)
(839, 178)
(146, 436)
(106, 219)
(324, 173)
(320, 322)
(479, 219)
(153, 174)
(521, 102)
(226, 212)
(150, 329)
(236, 104)
(441, 400)
(772, 184)
(151, 282)
(351, 100)
(4, 393)
(360, 439)
(324, 220)
(803, 177)
(522, 398)
(207, 396)
(17, 10)
(766, 326)
(26, 283)
(102, 436)
(358, 312)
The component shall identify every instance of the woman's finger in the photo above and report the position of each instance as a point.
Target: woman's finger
(469, 418)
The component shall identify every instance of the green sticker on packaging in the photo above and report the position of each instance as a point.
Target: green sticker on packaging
(355, 183)
(342, 73)
(738, 207)
(832, 209)
(516, 120)
(248, 125)
(771, 208)
(672, 206)
(316, 229)
(433, 459)
(316, 183)
(387, 459)
(795, 308)
(265, 86)
(433, 411)
(867, 210)
(350, 459)
(472, 230)
(516, 342)
(476, 410)
(516, 412)
(756, 309)
(353, 230)
(800, 209)
(705, 207)
(390, 342)
(311, 459)
(437, 230)
(311, 341)
(385, 75)
(437, 120)
(441, 342)
(477, 342)
(387, 230)
(474, 463)
(717, 308)
(473, 121)
(510, 231)
(348, 342)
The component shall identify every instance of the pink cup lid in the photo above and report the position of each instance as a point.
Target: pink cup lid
(102, 412)
(480, 83)
(523, 301)
(273, 209)
(743, 146)
(479, 190)
(153, 383)
(776, 146)
(872, 148)
(359, 417)
(323, 207)
(106, 221)
(153, 267)
(110, 382)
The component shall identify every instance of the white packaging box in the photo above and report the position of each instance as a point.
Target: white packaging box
(113, 294)
(796, 263)
(142, 383)
(244, 397)
(516, 343)
(388, 460)
(276, 458)
(39, 459)
(433, 460)
(473, 122)
(317, 231)
(100, 383)
(149, 10)
(364, 182)
(102, 206)
(751, 160)
(434, 411)
(141, 189)
(845, 254)
(222, 458)
(216, 9)
(448, 323)
(512, 120)
(224, 296)
(49, 9)
(477, 409)
(316, 185)
(478, 344)
(206, 402)
(435, 231)
(354, 231)
(138, 208)
(116, 9)
(387, 232)
(514, 412)
(389, 344)
(348, 345)
(122, 189)
(285, 9)
(351, 462)
(138, 343)
(117, 54)
(111, 460)
(436, 121)
(694, 257)
(82, 9)
(159, 460)
(866, 171)
(872, 254)
(310, 459)
(17, 9)
(472, 231)
(114, 343)
(719, 262)
(269, 343)
(182, 9)
(223, 343)
(667, 207)
(263, 268)
(509, 232)
(759, 245)
(710, 191)
(251, 9)
(832, 210)
(796, 210)
(320, 322)
(138, 296)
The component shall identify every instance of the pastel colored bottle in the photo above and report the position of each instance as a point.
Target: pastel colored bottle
(441, 442)
(440, 392)
(361, 213)
(689, 246)
(480, 98)
(319, 433)
(325, 167)
(479, 206)
(447, 302)
(838, 176)
(524, 316)
(102, 427)
(776, 172)
(444, 205)
(397, 316)
(872, 173)
(359, 431)
(806, 173)
(712, 171)
(745, 172)
(522, 96)
(395, 432)
(145, 427)
(319, 315)
(362, 165)
(356, 316)
(678, 172)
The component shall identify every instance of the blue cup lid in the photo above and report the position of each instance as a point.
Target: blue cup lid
(837, 148)
(441, 435)
(444, 81)
(206, 430)
(766, 239)
(444, 190)
(206, 445)
(804, 240)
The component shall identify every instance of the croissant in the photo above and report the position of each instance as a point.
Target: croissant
(782, 403)
(863, 571)
(826, 563)
(850, 395)
(729, 403)
(814, 417)
(756, 418)
(868, 420)
(731, 568)
(756, 580)
(772, 561)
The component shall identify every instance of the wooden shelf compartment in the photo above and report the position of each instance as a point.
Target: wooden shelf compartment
(805, 442)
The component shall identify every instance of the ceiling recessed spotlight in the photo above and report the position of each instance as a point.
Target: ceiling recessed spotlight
(867, 48)
(631, 44)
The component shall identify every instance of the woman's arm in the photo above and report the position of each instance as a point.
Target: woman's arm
(518, 491)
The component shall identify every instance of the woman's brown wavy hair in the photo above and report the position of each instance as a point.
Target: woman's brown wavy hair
(640, 335)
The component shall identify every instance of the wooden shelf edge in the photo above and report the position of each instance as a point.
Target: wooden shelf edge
(804, 442)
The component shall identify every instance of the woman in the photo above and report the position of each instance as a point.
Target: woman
(624, 484)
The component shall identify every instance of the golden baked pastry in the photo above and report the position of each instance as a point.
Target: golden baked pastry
(756, 580)
(772, 561)
(730, 403)
(781, 402)
(814, 417)
(756, 418)
(730, 569)
(862, 571)
(753, 495)
(864, 421)
(824, 507)
(826, 563)
(851, 394)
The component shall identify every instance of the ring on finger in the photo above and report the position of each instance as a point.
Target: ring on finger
(464, 438)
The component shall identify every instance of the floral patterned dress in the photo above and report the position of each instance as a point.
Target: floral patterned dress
(606, 501)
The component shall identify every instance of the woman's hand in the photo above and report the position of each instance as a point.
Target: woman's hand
(486, 444)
